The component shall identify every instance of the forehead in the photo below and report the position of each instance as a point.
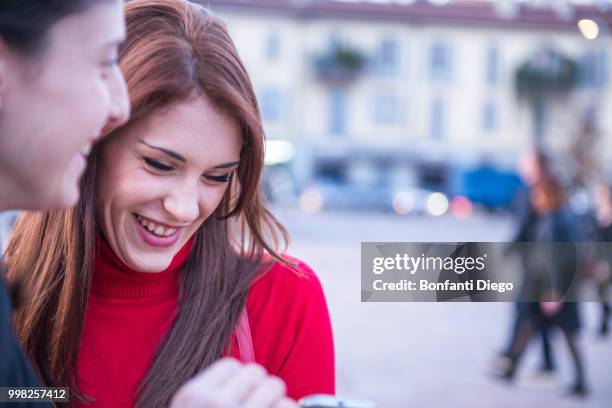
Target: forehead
(101, 24)
(195, 128)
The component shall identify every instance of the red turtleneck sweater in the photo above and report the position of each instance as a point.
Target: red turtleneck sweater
(129, 313)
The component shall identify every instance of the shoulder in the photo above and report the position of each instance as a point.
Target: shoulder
(286, 292)
(286, 299)
(293, 278)
(291, 327)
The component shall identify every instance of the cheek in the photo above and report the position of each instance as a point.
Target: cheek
(211, 198)
(95, 112)
(85, 105)
(117, 182)
(130, 193)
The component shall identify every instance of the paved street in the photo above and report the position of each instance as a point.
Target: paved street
(429, 354)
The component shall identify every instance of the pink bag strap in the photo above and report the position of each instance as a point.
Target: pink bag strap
(244, 339)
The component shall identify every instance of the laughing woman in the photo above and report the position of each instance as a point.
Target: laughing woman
(170, 260)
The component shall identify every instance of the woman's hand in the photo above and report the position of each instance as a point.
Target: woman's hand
(230, 384)
(550, 303)
(550, 308)
(601, 271)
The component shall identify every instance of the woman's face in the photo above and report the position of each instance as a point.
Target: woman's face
(53, 105)
(540, 200)
(603, 204)
(159, 180)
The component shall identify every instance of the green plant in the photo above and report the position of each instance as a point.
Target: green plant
(546, 72)
(340, 62)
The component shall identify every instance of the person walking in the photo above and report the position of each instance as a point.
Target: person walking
(552, 276)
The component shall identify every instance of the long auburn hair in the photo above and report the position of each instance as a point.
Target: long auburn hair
(174, 49)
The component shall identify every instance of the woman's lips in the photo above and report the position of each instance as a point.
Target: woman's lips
(155, 240)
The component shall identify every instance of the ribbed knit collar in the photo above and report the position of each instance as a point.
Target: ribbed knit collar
(113, 278)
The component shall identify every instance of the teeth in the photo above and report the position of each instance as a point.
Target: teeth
(156, 229)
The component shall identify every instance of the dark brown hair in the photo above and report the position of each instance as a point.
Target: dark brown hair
(25, 24)
(174, 49)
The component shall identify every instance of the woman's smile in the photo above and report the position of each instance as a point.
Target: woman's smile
(155, 233)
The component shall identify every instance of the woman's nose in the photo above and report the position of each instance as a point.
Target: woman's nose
(183, 205)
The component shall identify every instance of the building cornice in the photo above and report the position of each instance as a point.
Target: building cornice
(420, 12)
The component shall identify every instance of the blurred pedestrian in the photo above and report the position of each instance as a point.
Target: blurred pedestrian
(532, 166)
(603, 256)
(550, 279)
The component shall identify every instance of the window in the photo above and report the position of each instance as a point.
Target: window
(437, 119)
(440, 63)
(386, 110)
(489, 116)
(330, 170)
(271, 105)
(492, 67)
(387, 58)
(594, 69)
(338, 108)
(272, 46)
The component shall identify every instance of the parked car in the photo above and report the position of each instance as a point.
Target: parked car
(338, 194)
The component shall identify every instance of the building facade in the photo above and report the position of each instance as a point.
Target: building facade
(414, 89)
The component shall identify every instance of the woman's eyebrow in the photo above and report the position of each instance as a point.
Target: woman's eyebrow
(170, 153)
(226, 165)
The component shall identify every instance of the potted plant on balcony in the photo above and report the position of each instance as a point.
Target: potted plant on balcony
(339, 65)
(547, 72)
(547, 75)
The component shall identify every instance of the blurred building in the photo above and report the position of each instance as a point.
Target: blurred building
(403, 91)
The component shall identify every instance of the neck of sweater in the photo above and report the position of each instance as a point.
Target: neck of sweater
(113, 278)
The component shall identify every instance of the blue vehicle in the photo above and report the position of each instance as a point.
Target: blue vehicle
(487, 186)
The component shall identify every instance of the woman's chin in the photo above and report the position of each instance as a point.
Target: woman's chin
(70, 198)
(148, 265)
(70, 191)
(64, 193)
(65, 198)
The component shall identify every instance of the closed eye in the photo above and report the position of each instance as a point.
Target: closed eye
(157, 165)
(224, 178)
(110, 63)
(108, 66)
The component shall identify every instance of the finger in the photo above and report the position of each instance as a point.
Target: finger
(268, 393)
(244, 381)
(218, 373)
(212, 377)
(204, 386)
